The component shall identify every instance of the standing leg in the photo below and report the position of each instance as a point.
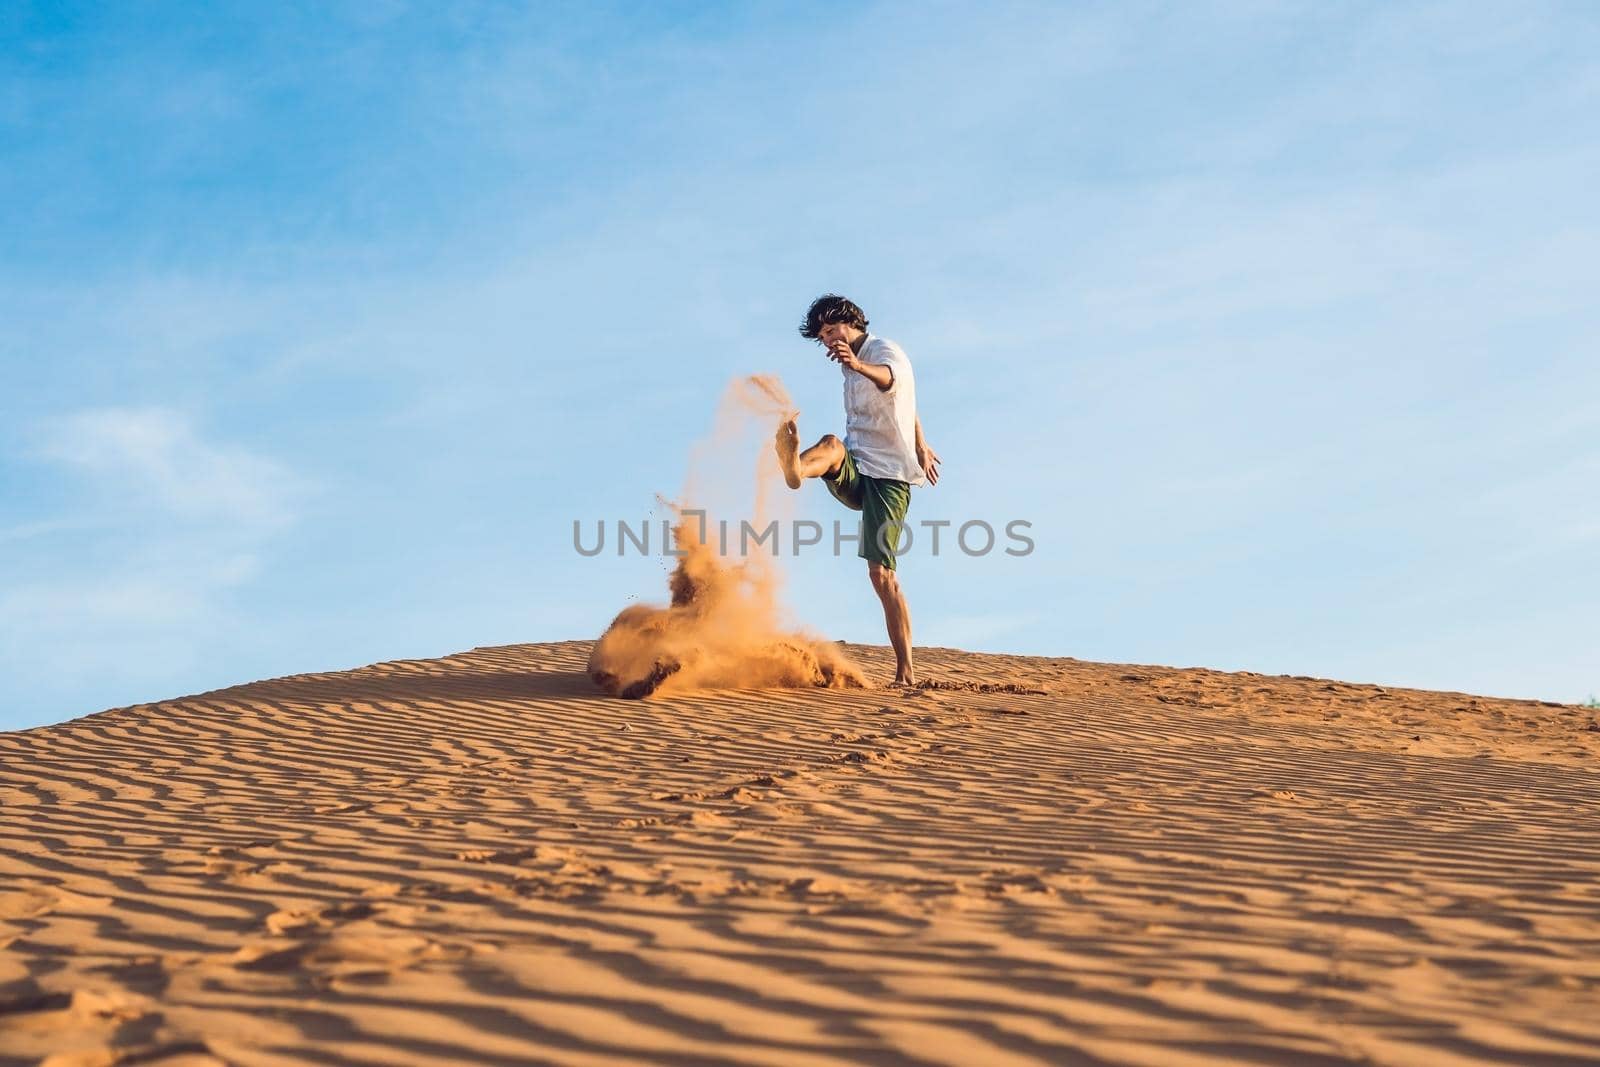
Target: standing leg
(897, 616)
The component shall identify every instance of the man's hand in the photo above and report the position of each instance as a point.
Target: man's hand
(841, 354)
(928, 460)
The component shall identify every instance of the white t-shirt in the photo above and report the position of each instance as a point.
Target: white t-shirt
(880, 425)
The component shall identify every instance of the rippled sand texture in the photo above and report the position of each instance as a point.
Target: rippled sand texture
(483, 859)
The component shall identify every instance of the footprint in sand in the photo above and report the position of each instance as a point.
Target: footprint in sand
(280, 922)
(370, 954)
(176, 1054)
(31, 903)
(489, 855)
(39, 1022)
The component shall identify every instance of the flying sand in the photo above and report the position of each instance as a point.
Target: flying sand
(722, 626)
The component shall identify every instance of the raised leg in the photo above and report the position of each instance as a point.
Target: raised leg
(897, 617)
(822, 458)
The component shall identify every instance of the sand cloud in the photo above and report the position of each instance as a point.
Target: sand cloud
(724, 627)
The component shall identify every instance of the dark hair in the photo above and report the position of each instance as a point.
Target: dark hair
(829, 309)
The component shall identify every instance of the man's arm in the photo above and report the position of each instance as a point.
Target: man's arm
(877, 373)
(927, 458)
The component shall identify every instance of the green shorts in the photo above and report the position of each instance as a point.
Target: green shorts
(883, 503)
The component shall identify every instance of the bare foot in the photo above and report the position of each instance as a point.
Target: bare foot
(787, 443)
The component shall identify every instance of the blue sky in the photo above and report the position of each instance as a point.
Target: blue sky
(323, 322)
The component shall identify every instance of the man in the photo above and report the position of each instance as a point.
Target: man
(881, 457)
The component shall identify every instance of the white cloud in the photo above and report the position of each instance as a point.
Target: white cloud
(128, 588)
(155, 453)
(25, 531)
(77, 605)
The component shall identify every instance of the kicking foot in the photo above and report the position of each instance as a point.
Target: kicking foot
(787, 443)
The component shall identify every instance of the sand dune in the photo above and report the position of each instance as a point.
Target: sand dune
(483, 859)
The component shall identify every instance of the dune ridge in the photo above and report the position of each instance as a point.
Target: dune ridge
(483, 859)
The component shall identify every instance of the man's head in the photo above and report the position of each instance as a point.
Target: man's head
(833, 318)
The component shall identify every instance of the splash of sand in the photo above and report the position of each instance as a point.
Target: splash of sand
(723, 627)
